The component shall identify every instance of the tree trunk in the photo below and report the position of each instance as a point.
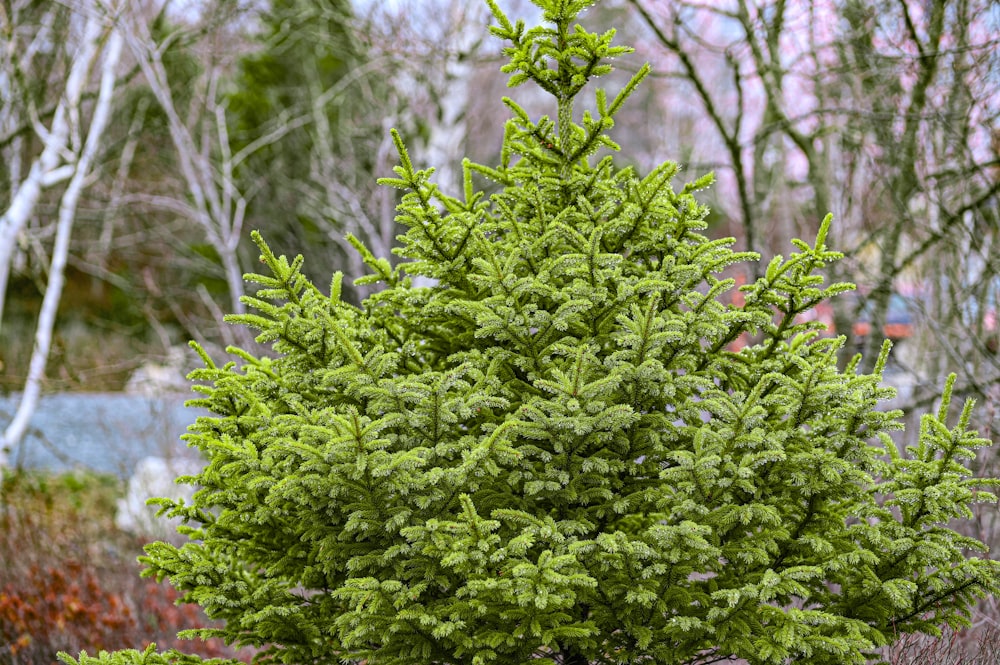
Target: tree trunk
(47, 169)
(67, 214)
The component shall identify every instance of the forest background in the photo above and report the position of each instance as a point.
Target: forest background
(142, 140)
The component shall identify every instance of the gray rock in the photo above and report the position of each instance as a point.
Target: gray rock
(154, 477)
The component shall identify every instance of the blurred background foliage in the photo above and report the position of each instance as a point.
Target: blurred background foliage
(277, 114)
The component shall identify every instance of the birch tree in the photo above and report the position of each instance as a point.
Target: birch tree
(283, 154)
(200, 139)
(29, 36)
(70, 147)
(350, 79)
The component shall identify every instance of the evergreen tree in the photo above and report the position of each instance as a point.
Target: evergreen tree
(553, 455)
(305, 49)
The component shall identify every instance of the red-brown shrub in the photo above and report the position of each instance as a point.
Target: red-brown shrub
(69, 580)
(60, 608)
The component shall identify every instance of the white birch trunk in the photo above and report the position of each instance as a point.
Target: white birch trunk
(48, 168)
(449, 131)
(67, 214)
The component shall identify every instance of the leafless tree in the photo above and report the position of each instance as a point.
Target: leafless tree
(70, 146)
(200, 136)
(885, 113)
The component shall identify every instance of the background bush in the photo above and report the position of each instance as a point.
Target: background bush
(69, 580)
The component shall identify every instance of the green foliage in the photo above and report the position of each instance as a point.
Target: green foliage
(305, 44)
(306, 59)
(555, 454)
(147, 656)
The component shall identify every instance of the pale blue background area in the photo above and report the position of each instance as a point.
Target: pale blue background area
(107, 432)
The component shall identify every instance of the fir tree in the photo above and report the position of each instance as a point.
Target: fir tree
(553, 455)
